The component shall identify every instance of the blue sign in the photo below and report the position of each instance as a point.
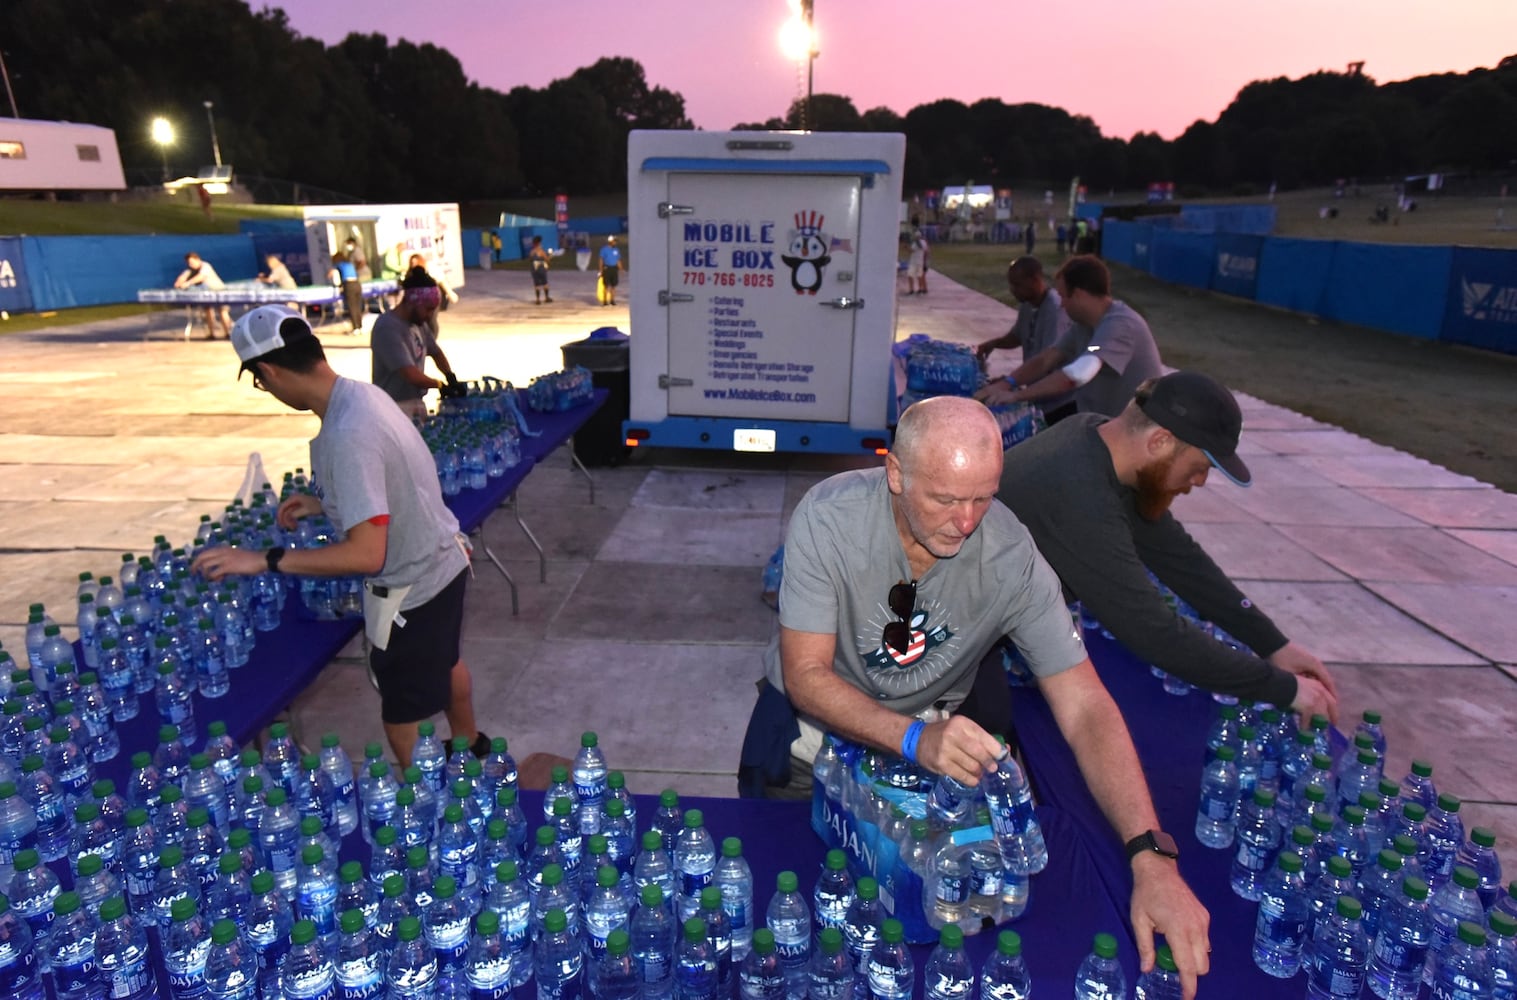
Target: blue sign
(15, 296)
(1481, 310)
(1235, 270)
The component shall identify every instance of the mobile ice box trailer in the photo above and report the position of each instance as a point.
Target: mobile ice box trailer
(763, 309)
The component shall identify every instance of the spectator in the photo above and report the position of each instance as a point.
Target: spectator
(610, 269)
(345, 274)
(539, 260)
(200, 272)
(277, 274)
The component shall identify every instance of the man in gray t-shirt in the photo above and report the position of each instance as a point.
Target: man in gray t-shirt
(898, 580)
(1040, 330)
(401, 342)
(1112, 351)
(376, 481)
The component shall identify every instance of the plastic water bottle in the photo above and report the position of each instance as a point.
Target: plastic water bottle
(1465, 973)
(1418, 785)
(355, 892)
(1456, 900)
(411, 973)
(69, 766)
(1501, 954)
(232, 628)
(1380, 884)
(359, 970)
(1216, 817)
(1339, 953)
(616, 976)
(447, 927)
(230, 896)
(49, 805)
(281, 757)
(695, 973)
(668, 819)
(694, 858)
(175, 881)
(652, 933)
(499, 766)
(509, 899)
(1479, 855)
(56, 651)
(307, 973)
(653, 867)
(1281, 926)
(1018, 834)
(316, 893)
(834, 891)
(186, 945)
(394, 906)
(458, 856)
(1100, 976)
(231, 965)
(1162, 982)
(1360, 775)
(789, 918)
(487, 968)
(761, 977)
(204, 789)
(861, 929)
(557, 893)
(419, 877)
(590, 782)
(18, 829)
(33, 889)
(94, 882)
(1005, 975)
(334, 761)
(269, 924)
(279, 838)
(429, 756)
(379, 800)
(719, 937)
(117, 681)
(1258, 838)
(1351, 840)
(734, 878)
(101, 740)
(571, 845)
(211, 671)
(892, 973)
(175, 701)
(606, 909)
(1444, 837)
(560, 961)
(950, 804)
(1401, 944)
(70, 952)
(949, 975)
(1336, 881)
(20, 970)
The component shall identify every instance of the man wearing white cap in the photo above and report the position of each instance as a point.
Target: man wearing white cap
(375, 479)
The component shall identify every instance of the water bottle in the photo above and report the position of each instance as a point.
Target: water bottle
(571, 844)
(176, 703)
(1018, 834)
(590, 782)
(334, 761)
(144, 789)
(70, 952)
(33, 889)
(1258, 838)
(36, 627)
(606, 910)
(93, 837)
(95, 883)
(616, 975)
(20, 972)
(1281, 926)
(1444, 837)
(117, 681)
(355, 892)
(1100, 976)
(1339, 953)
(695, 971)
(232, 628)
(1216, 817)
(307, 972)
(1351, 840)
(1456, 900)
(56, 651)
(761, 976)
(186, 945)
(1418, 785)
(175, 881)
(1479, 855)
(210, 661)
(560, 961)
(230, 895)
(460, 752)
(231, 965)
(789, 918)
(379, 799)
(653, 867)
(34, 738)
(652, 933)
(1411, 823)
(394, 906)
(359, 967)
(734, 878)
(269, 924)
(429, 756)
(487, 968)
(509, 899)
(949, 975)
(204, 789)
(892, 973)
(458, 856)
(447, 927)
(1336, 881)
(557, 893)
(1005, 975)
(499, 766)
(1465, 972)
(1501, 955)
(281, 757)
(69, 766)
(419, 877)
(1401, 944)
(1380, 883)
(18, 829)
(278, 839)
(694, 859)
(316, 893)
(1360, 775)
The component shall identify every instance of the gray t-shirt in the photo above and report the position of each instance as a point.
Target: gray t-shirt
(397, 344)
(370, 461)
(1128, 354)
(842, 556)
(1041, 326)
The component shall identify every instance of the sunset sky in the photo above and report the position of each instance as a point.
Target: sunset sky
(1131, 65)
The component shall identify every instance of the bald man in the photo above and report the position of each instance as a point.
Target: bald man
(897, 582)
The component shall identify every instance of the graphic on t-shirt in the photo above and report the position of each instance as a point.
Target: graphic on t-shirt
(891, 666)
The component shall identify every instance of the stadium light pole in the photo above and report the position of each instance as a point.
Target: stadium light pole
(163, 135)
(215, 146)
(798, 41)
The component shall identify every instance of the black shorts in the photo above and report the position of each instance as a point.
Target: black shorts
(610, 276)
(539, 276)
(415, 673)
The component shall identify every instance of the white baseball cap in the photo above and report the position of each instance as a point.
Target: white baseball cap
(266, 329)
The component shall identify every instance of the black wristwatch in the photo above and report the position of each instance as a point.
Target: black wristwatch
(1157, 841)
(272, 557)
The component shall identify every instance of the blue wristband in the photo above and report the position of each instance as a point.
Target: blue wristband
(909, 741)
(1011, 382)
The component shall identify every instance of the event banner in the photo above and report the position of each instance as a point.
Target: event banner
(1482, 300)
(14, 295)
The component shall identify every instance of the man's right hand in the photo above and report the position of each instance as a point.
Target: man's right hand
(296, 507)
(1313, 698)
(958, 748)
(983, 351)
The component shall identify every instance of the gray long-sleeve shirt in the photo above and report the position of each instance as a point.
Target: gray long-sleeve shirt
(1063, 486)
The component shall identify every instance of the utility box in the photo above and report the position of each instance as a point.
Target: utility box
(763, 307)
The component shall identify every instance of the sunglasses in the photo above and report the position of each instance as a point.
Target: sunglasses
(903, 604)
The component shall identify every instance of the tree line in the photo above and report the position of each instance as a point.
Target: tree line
(399, 121)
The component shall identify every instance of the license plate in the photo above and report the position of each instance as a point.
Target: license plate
(753, 439)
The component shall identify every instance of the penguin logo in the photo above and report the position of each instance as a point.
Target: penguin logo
(808, 254)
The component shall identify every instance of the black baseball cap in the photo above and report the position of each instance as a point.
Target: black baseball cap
(1201, 412)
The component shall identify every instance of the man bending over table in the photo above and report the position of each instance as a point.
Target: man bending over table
(897, 582)
(375, 479)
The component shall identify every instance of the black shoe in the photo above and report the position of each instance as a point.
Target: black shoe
(481, 746)
(548, 299)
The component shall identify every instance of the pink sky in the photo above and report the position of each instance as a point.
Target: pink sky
(1131, 65)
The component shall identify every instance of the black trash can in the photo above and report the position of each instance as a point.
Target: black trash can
(605, 355)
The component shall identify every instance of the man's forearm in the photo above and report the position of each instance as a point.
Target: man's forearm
(344, 558)
(844, 709)
(1098, 735)
(1047, 387)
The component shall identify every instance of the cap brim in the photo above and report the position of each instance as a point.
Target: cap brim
(1232, 467)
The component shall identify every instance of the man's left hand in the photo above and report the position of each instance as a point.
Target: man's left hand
(1295, 659)
(1162, 902)
(997, 393)
(214, 564)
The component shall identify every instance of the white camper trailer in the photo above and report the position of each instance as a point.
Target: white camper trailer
(58, 156)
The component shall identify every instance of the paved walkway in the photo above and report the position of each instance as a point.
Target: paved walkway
(649, 628)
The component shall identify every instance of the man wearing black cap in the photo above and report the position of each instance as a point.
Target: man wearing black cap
(1095, 493)
(375, 479)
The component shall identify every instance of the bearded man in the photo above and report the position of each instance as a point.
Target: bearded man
(1095, 494)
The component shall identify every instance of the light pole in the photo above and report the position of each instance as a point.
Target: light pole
(798, 41)
(215, 146)
(163, 135)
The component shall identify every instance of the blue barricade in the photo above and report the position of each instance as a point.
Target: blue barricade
(1293, 273)
(1142, 244)
(1481, 308)
(1181, 257)
(289, 247)
(15, 295)
(1235, 270)
(474, 240)
(1396, 288)
(1117, 241)
(1247, 220)
(64, 272)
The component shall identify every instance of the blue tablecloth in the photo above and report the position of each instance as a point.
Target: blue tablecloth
(554, 429)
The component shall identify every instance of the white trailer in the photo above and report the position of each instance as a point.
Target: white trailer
(764, 307)
(58, 156)
(430, 230)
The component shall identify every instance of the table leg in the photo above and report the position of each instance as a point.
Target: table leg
(542, 557)
(490, 555)
(584, 472)
(189, 321)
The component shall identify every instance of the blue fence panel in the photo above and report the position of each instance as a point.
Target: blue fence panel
(15, 295)
(1482, 299)
(64, 272)
(1236, 267)
(1117, 241)
(473, 241)
(1248, 220)
(1181, 257)
(1142, 245)
(1398, 288)
(1293, 273)
(287, 246)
